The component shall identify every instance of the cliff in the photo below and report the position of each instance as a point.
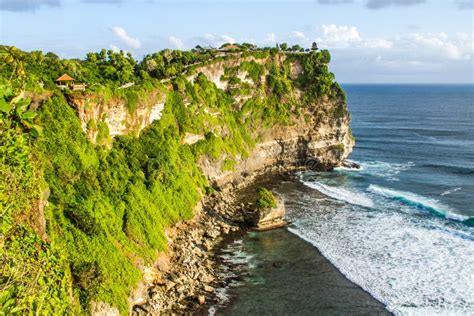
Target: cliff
(312, 138)
(114, 167)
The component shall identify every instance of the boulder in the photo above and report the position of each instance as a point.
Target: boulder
(350, 165)
(270, 218)
(169, 285)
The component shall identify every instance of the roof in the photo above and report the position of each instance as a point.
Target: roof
(65, 77)
(230, 46)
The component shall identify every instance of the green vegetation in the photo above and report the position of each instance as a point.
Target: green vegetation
(78, 219)
(338, 147)
(34, 272)
(265, 199)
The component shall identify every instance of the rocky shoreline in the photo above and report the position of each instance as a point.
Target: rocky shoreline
(187, 276)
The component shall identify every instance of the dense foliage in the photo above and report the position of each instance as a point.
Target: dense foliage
(109, 203)
(265, 199)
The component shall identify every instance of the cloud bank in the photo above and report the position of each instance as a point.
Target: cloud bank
(380, 4)
(465, 4)
(27, 5)
(34, 5)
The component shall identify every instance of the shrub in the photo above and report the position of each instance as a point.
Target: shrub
(265, 199)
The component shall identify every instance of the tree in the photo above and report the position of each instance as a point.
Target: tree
(296, 48)
(14, 57)
(325, 56)
(249, 46)
(284, 46)
(314, 46)
(103, 55)
(37, 56)
(91, 57)
(72, 66)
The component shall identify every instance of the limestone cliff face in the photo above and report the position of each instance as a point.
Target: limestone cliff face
(308, 143)
(314, 139)
(115, 112)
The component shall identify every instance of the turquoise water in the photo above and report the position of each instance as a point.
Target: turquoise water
(402, 226)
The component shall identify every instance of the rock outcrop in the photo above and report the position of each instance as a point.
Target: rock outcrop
(270, 218)
(312, 142)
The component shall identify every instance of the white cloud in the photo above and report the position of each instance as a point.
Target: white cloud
(378, 43)
(216, 40)
(176, 42)
(430, 46)
(339, 36)
(270, 38)
(457, 47)
(299, 35)
(410, 57)
(208, 39)
(131, 42)
(114, 48)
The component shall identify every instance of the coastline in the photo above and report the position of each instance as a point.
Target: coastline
(190, 274)
(186, 277)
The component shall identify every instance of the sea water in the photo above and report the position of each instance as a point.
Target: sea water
(402, 226)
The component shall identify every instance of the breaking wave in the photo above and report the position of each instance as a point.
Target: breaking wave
(415, 266)
(411, 199)
(385, 170)
(341, 194)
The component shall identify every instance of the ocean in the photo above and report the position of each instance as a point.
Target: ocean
(401, 227)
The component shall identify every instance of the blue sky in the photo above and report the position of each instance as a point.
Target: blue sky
(376, 41)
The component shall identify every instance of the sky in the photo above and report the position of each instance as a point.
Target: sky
(371, 41)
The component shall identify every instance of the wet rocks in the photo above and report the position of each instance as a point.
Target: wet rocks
(350, 164)
(191, 270)
(189, 279)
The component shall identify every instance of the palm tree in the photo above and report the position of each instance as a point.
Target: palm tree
(14, 57)
(72, 66)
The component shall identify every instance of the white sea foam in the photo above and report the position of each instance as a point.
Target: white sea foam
(415, 200)
(341, 194)
(346, 169)
(235, 260)
(447, 192)
(401, 260)
(385, 170)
